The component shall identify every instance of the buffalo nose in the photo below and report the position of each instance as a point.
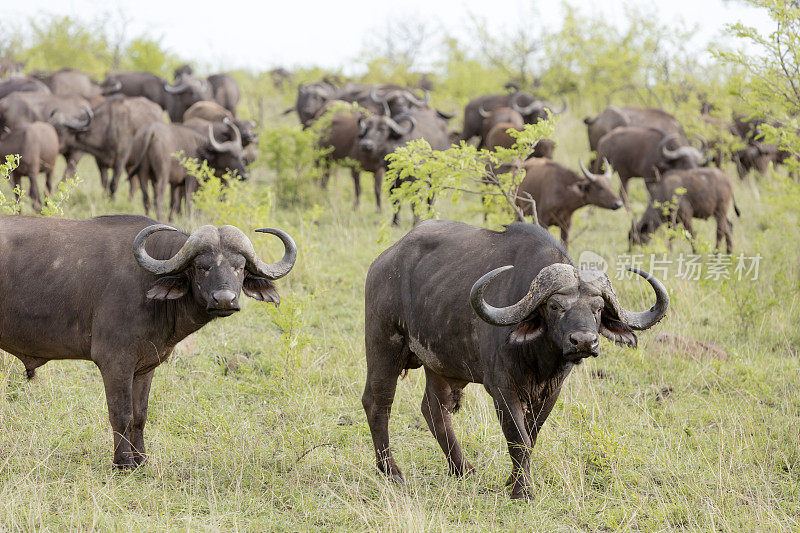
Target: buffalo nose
(225, 300)
(617, 205)
(584, 341)
(367, 146)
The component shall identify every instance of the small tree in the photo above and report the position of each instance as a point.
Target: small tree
(771, 87)
(494, 175)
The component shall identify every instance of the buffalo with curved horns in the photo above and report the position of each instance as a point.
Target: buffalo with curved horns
(122, 291)
(424, 308)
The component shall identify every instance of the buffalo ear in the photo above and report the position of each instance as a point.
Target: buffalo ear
(527, 332)
(168, 288)
(617, 331)
(260, 289)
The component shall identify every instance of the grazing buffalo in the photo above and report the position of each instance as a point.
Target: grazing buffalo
(758, 156)
(704, 193)
(225, 91)
(280, 77)
(65, 113)
(616, 117)
(424, 308)
(20, 84)
(523, 103)
(381, 135)
(37, 145)
(110, 133)
(558, 192)
(143, 84)
(122, 291)
(152, 159)
(636, 152)
(68, 82)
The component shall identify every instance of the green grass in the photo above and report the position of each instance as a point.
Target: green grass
(645, 439)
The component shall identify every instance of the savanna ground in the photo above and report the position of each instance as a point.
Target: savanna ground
(652, 438)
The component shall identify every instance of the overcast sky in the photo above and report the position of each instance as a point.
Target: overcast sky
(261, 34)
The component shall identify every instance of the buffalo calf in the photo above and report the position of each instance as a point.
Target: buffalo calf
(681, 195)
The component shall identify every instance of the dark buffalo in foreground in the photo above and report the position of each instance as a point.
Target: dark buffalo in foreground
(425, 307)
(225, 91)
(614, 117)
(152, 159)
(22, 84)
(523, 103)
(559, 192)
(36, 143)
(707, 192)
(636, 152)
(110, 133)
(122, 291)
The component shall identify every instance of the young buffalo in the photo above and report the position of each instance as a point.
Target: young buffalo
(37, 145)
(558, 192)
(704, 192)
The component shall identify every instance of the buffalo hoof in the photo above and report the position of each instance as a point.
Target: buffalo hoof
(461, 471)
(397, 478)
(520, 489)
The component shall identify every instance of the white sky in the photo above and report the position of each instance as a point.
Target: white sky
(261, 34)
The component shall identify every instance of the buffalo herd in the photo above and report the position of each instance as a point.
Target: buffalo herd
(123, 290)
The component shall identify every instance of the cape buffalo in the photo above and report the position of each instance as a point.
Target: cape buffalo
(111, 132)
(526, 105)
(122, 291)
(225, 91)
(68, 82)
(498, 137)
(213, 112)
(758, 156)
(636, 152)
(616, 117)
(143, 84)
(186, 91)
(381, 135)
(499, 116)
(65, 113)
(152, 159)
(311, 98)
(558, 192)
(19, 84)
(704, 193)
(36, 143)
(425, 308)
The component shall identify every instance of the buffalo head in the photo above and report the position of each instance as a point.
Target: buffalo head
(597, 189)
(681, 157)
(569, 308)
(377, 131)
(225, 156)
(214, 265)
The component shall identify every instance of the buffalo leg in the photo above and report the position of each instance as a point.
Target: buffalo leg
(144, 185)
(118, 382)
(383, 369)
(565, 226)
(103, 170)
(438, 403)
(537, 414)
(356, 187)
(176, 192)
(623, 192)
(34, 192)
(377, 178)
(512, 421)
(141, 394)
